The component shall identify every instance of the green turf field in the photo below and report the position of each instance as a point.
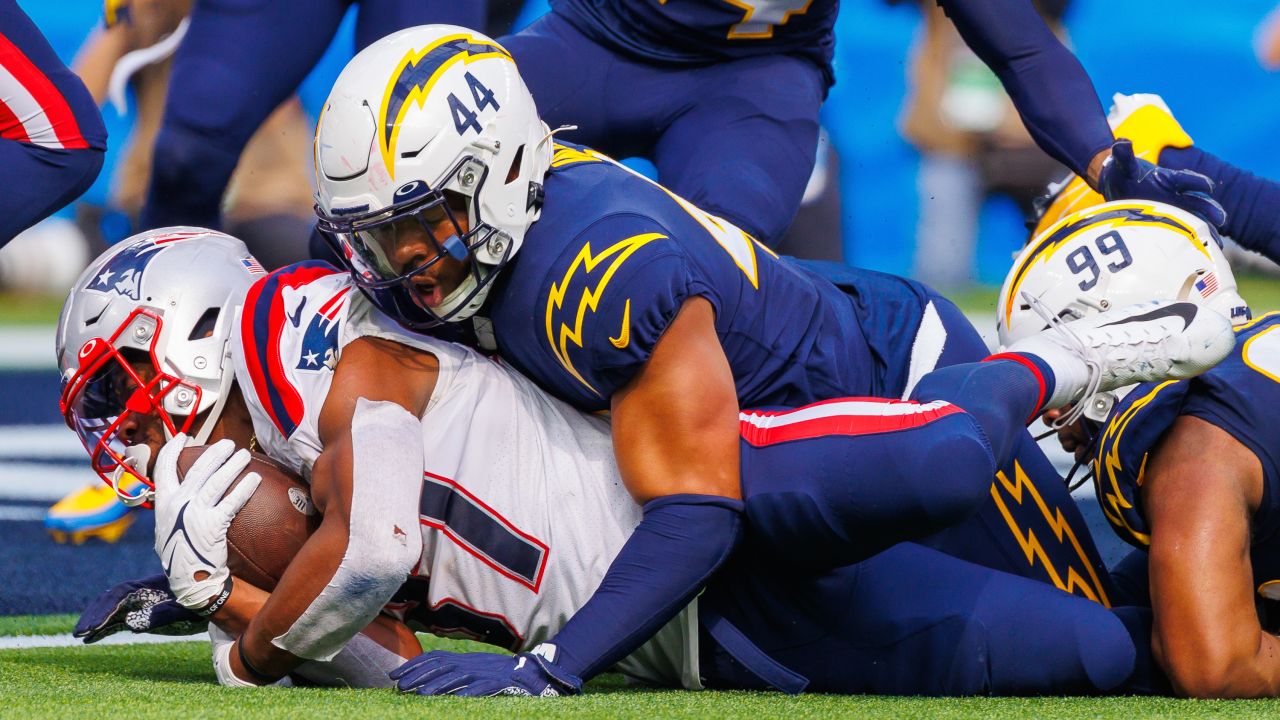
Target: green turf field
(176, 680)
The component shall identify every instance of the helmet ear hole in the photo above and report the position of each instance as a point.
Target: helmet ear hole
(516, 163)
(205, 325)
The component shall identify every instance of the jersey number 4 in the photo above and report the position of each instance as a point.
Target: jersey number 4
(762, 15)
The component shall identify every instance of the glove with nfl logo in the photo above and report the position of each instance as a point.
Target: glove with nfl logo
(486, 674)
(140, 606)
(1124, 176)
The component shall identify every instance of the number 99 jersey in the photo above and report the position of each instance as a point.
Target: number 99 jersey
(1239, 396)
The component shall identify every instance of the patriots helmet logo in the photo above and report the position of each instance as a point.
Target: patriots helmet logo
(415, 76)
(320, 340)
(122, 274)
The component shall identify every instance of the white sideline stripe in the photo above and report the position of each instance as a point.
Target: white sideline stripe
(20, 513)
(27, 348)
(121, 638)
(42, 441)
(860, 408)
(47, 483)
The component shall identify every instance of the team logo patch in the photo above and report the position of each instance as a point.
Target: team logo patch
(320, 340)
(414, 77)
(122, 274)
(577, 296)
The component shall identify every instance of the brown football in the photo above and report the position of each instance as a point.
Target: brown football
(270, 529)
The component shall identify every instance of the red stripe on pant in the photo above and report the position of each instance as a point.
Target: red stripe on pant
(838, 423)
(46, 94)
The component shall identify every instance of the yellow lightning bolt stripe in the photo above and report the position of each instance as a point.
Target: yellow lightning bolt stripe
(585, 260)
(1107, 465)
(1050, 244)
(563, 155)
(1091, 587)
(419, 93)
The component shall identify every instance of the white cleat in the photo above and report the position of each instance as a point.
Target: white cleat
(1148, 342)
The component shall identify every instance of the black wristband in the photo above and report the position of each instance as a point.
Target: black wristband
(217, 602)
(258, 676)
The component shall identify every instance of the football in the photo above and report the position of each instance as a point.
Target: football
(270, 529)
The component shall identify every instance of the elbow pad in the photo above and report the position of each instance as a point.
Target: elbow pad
(384, 543)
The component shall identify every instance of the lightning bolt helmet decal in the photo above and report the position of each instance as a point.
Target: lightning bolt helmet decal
(416, 74)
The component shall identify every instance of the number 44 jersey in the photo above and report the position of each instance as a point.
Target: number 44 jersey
(522, 509)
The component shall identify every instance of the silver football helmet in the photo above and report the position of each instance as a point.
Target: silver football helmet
(146, 330)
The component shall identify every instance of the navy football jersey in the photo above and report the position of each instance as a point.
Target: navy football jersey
(707, 30)
(1240, 396)
(614, 256)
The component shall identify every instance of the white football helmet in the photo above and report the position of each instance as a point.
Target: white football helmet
(1112, 255)
(419, 116)
(147, 330)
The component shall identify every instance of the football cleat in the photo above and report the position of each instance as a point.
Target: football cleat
(1147, 342)
(93, 511)
(1142, 118)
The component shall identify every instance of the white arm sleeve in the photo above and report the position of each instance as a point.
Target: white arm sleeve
(384, 543)
(363, 663)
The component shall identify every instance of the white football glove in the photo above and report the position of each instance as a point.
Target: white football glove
(192, 519)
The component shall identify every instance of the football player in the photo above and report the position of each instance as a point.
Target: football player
(526, 524)
(237, 63)
(622, 296)
(1184, 470)
(51, 136)
(723, 95)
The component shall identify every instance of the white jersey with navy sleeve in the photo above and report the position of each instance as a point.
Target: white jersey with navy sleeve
(522, 509)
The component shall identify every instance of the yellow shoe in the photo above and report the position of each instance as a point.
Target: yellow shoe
(1142, 118)
(91, 511)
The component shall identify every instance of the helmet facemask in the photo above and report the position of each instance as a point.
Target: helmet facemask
(114, 388)
(377, 246)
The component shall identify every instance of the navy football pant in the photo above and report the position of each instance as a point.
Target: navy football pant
(835, 482)
(239, 60)
(736, 138)
(51, 135)
(913, 621)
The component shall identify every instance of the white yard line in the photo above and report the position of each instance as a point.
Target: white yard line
(123, 638)
(27, 348)
(43, 441)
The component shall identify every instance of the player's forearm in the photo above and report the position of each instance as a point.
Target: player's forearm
(1049, 87)
(244, 603)
(1252, 203)
(307, 577)
(1240, 667)
(662, 566)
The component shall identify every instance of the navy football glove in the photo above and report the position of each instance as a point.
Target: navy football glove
(1125, 176)
(142, 606)
(486, 674)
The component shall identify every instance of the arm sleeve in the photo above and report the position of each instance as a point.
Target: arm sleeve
(677, 546)
(1252, 203)
(1048, 85)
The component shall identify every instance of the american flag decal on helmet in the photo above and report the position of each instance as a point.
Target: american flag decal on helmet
(253, 266)
(1207, 285)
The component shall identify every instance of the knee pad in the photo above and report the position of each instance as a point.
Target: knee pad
(961, 461)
